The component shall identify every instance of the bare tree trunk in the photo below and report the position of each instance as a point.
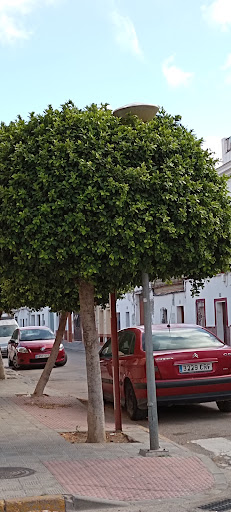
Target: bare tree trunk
(95, 413)
(2, 370)
(53, 356)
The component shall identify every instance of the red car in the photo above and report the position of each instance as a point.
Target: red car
(191, 366)
(29, 346)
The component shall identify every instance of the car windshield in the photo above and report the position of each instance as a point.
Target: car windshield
(7, 330)
(184, 338)
(36, 334)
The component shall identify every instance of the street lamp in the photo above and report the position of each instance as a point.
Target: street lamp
(146, 112)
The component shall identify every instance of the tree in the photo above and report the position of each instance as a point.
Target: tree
(6, 306)
(94, 200)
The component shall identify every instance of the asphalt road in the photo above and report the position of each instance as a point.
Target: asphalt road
(182, 424)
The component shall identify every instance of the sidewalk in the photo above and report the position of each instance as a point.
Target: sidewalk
(42, 462)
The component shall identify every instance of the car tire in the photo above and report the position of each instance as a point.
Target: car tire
(62, 363)
(224, 405)
(15, 364)
(133, 411)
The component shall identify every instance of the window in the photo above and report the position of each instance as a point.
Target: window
(118, 321)
(126, 342)
(228, 144)
(163, 316)
(6, 330)
(106, 350)
(36, 334)
(180, 339)
(127, 319)
(15, 335)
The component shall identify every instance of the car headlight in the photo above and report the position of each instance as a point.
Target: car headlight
(61, 346)
(23, 350)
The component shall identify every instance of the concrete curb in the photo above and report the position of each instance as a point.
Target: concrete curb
(34, 503)
(86, 503)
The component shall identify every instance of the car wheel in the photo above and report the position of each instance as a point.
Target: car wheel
(133, 411)
(224, 405)
(15, 364)
(62, 363)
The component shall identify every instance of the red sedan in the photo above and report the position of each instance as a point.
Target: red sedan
(191, 366)
(29, 346)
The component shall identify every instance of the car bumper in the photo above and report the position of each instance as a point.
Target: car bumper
(186, 391)
(30, 359)
(4, 351)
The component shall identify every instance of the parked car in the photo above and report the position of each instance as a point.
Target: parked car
(191, 366)
(29, 346)
(7, 327)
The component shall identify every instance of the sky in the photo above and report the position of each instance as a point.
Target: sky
(172, 53)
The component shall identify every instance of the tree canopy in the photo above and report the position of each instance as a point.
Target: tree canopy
(84, 194)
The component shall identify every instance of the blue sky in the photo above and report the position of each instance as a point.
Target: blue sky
(174, 53)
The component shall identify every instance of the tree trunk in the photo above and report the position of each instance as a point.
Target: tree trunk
(2, 370)
(53, 356)
(95, 413)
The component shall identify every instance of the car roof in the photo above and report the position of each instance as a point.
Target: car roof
(8, 321)
(34, 327)
(163, 327)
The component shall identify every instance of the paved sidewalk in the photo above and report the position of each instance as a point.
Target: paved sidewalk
(44, 463)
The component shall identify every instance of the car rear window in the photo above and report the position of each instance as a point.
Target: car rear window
(36, 334)
(179, 339)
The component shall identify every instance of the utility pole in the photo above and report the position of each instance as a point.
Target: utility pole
(146, 113)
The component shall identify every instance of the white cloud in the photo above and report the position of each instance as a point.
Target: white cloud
(126, 35)
(12, 16)
(213, 142)
(174, 75)
(218, 13)
(9, 31)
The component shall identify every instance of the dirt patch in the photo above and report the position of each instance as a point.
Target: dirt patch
(111, 437)
(46, 401)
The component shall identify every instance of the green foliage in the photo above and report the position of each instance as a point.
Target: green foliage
(84, 194)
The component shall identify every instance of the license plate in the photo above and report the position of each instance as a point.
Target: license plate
(195, 367)
(41, 356)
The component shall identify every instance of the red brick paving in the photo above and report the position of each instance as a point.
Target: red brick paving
(57, 413)
(133, 479)
(65, 413)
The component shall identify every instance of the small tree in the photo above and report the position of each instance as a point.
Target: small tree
(93, 200)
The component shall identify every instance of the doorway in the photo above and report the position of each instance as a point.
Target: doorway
(221, 318)
(180, 314)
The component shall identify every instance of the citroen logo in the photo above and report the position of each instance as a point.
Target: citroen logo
(42, 349)
(195, 355)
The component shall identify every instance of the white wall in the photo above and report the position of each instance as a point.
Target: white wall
(26, 317)
(127, 309)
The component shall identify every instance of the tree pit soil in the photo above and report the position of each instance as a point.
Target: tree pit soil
(111, 437)
(47, 402)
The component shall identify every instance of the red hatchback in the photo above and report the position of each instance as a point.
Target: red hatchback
(191, 366)
(29, 346)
